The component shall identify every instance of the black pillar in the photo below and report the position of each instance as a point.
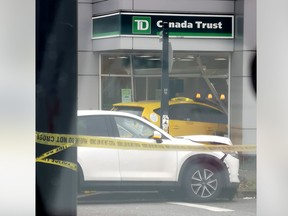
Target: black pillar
(165, 79)
(56, 102)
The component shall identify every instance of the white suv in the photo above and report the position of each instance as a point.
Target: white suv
(200, 176)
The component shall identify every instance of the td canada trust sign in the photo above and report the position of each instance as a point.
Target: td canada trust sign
(151, 24)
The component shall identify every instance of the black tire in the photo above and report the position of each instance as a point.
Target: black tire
(229, 193)
(202, 183)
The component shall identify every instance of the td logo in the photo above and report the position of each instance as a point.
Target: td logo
(141, 25)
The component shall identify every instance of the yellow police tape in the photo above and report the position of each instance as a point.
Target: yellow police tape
(64, 141)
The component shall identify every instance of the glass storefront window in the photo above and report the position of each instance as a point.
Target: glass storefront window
(200, 76)
(147, 64)
(114, 89)
(116, 65)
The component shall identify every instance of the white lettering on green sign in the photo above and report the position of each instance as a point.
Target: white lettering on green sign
(201, 25)
(184, 24)
(188, 25)
(141, 25)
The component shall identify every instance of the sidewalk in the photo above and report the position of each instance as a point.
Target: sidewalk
(247, 175)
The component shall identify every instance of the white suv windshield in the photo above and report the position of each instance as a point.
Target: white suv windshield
(133, 110)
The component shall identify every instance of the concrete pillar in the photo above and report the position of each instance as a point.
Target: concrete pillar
(243, 98)
(88, 76)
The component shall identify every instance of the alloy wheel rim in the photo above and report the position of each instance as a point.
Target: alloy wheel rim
(204, 183)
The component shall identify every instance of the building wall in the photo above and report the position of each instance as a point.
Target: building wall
(243, 47)
(168, 6)
(88, 73)
(189, 6)
(243, 99)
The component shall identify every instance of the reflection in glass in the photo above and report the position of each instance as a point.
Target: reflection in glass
(111, 90)
(190, 74)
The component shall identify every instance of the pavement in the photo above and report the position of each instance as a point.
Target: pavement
(247, 175)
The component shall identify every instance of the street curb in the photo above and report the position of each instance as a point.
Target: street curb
(242, 194)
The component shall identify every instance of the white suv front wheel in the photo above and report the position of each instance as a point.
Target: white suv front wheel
(202, 183)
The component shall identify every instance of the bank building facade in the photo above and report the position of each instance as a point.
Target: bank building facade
(212, 45)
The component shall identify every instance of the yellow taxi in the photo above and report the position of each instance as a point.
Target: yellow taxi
(186, 116)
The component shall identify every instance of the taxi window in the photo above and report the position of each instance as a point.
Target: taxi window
(195, 112)
(212, 115)
(180, 112)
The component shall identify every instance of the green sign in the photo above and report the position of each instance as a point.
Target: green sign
(141, 25)
(151, 24)
(126, 95)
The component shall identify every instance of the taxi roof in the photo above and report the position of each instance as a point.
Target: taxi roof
(156, 103)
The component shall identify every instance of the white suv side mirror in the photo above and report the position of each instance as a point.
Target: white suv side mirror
(157, 136)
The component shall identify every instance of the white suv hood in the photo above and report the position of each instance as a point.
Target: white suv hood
(208, 138)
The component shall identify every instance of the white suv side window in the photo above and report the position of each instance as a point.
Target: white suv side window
(132, 128)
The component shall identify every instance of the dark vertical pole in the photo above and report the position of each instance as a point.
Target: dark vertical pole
(56, 102)
(165, 79)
